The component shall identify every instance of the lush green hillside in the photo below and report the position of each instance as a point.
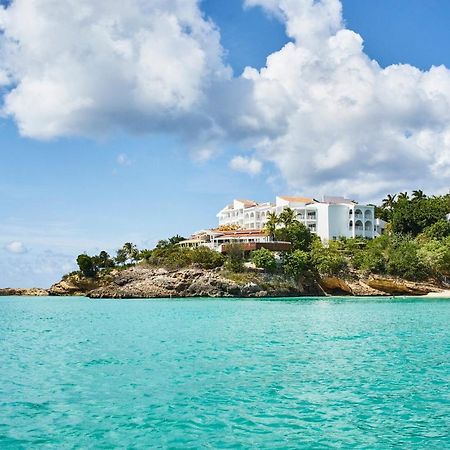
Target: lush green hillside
(416, 246)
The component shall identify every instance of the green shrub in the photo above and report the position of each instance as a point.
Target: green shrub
(296, 263)
(171, 257)
(264, 259)
(176, 257)
(439, 230)
(375, 256)
(404, 260)
(297, 234)
(414, 216)
(103, 261)
(86, 265)
(145, 255)
(235, 257)
(435, 255)
(328, 260)
(206, 258)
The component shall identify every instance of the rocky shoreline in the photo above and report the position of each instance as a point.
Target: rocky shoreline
(23, 292)
(145, 282)
(141, 281)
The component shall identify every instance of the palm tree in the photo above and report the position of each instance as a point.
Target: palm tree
(403, 196)
(389, 201)
(271, 224)
(418, 195)
(130, 250)
(288, 217)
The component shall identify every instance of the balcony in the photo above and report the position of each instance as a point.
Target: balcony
(358, 214)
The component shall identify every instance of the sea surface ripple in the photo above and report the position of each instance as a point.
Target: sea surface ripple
(307, 373)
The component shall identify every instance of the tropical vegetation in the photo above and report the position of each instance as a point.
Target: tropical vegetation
(416, 246)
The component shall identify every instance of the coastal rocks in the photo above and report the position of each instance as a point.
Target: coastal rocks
(396, 286)
(74, 286)
(376, 286)
(64, 288)
(142, 281)
(31, 292)
(145, 282)
(339, 286)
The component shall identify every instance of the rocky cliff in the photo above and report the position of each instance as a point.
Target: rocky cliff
(146, 282)
(361, 286)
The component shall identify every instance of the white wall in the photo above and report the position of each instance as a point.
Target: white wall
(322, 222)
(338, 220)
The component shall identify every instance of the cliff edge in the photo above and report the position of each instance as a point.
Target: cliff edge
(145, 282)
(142, 281)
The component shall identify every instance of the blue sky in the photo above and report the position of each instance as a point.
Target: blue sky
(71, 191)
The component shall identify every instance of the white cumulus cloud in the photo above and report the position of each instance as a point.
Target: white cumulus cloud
(84, 68)
(330, 118)
(244, 164)
(16, 247)
(333, 119)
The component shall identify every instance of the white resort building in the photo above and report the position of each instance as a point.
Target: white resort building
(331, 218)
(243, 222)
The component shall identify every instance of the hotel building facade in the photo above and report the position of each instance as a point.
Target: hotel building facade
(331, 218)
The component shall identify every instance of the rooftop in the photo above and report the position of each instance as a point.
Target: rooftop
(297, 199)
(337, 199)
(247, 202)
(240, 233)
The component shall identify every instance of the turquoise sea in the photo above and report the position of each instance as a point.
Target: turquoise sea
(189, 374)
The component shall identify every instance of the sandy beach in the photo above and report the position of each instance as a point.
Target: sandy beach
(442, 294)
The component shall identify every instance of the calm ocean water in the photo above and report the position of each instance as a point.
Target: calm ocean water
(308, 374)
